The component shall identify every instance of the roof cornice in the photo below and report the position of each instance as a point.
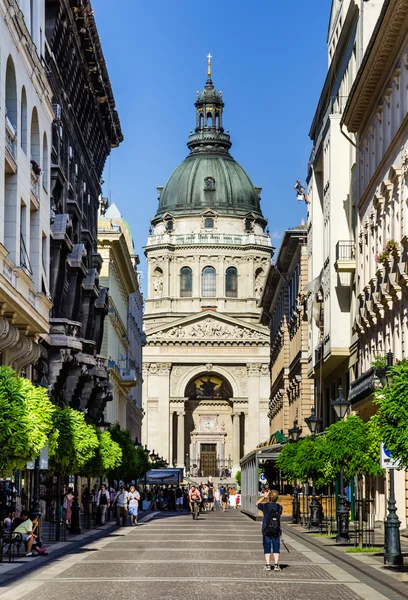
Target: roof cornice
(374, 70)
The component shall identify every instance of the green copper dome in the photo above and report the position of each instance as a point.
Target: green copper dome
(209, 177)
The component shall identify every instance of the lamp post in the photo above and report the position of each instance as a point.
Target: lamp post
(313, 423)
(392, 542)
(294, 435)
(341, 406)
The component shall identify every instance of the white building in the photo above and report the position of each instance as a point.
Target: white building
(122, 337)
(376, 117)
(206, 361)
(331, 219)
(25, 141)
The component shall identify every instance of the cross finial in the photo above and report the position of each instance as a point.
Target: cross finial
(209, 57)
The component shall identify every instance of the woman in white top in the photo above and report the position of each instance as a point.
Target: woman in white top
(133, 503)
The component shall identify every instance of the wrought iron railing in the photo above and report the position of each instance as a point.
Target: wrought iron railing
(35, 185)
(345, 250)
(11, 139)
(209, 238)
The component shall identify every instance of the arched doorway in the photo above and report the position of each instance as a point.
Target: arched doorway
(208, 425)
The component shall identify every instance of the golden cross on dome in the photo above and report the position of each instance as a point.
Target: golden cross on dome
(209, 57)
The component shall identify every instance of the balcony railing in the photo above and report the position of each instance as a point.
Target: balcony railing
(362, 387)
(345, 250)
(11, 139)
(209, 238)
(35, 185)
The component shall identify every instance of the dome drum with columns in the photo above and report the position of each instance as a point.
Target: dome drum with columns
(206, 374)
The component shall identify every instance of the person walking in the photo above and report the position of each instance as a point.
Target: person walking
(179, 498)
(133, 504)
(103, 502)
(217, 499)
(271, 530)
(121, 503)
(232, 499)
(224, 500)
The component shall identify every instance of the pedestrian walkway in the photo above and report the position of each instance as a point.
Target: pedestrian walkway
(174, 557)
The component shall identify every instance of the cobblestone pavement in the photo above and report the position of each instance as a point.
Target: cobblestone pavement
(173, 556)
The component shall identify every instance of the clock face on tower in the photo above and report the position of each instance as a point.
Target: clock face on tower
(208, 425)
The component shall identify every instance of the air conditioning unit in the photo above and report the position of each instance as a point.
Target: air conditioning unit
(57, 111)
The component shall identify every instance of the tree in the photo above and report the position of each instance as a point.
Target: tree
(26, 415)
(135, 462)
(238, 478)
(351, 444)
(108, 456)
(76, 443)
(392, 414)
(303, 460)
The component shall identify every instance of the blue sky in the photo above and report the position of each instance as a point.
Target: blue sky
(270, 61)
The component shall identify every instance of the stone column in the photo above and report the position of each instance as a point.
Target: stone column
(235, 441)
(180, 439)
(162, 428)
(254, 437)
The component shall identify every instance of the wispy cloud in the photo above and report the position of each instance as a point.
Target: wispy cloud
(276, 235)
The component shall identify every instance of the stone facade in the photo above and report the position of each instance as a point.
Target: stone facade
(122, 340)
(25, 143)
(85, 129)
(284, 312)
(376, 113)
(205, 371)
(332, 351)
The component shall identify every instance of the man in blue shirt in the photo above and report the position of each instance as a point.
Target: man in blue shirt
(270, 508)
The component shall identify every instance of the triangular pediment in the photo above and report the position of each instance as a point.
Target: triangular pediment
(209, 326)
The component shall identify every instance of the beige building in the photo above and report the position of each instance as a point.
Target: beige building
(25, 142)
(284, 312)
(332, 345)
(376, 116)
(122, 342)
(206, 360)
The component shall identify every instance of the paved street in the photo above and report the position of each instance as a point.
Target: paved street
(173, 557)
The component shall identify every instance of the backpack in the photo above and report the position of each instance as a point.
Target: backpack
(272, 527)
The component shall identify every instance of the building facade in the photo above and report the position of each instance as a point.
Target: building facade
(206, 360)
(85, 129)
(377, 115)
(284, 313)
(122, 339)
(25, 141)
(331, 218)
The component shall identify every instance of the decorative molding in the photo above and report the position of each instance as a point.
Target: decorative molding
(209, 329)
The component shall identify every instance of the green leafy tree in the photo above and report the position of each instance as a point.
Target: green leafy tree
(76, 444)
(108, 456)
(303, 460)
(351, 444)
(134, 463)
(392, 413)
(26, 420)
(238, 478)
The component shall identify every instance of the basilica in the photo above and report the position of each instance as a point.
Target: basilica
(206, 360)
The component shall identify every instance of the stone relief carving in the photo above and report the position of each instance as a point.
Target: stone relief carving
(253, 369)
(259, 285)
(158, 285)
(264, 370)
(210, 329)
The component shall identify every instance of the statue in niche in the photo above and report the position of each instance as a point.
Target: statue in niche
(259, 285)
(158, 285)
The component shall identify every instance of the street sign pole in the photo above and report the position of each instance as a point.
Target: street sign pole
(392, 542)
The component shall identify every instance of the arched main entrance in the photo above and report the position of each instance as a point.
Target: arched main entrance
(208, 425)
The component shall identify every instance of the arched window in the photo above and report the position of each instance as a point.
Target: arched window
(186, 282)
(23, 118)
(11, 95)
(231, 282)
(208, 282)
(35, 148)
(45, 162)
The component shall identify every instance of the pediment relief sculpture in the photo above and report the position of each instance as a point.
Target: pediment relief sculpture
(209, 329)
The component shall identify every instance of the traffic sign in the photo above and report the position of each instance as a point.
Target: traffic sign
(387, 462)
(262, 478)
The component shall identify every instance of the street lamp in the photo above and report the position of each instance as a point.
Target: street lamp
(313, 423)
(294, 434)
(341, 406)
(392, 542)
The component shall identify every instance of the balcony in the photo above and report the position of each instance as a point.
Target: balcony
(212, 239)
(35, 188)
(11, 148)
(363, 387)
(345, 257)
(125, 377)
